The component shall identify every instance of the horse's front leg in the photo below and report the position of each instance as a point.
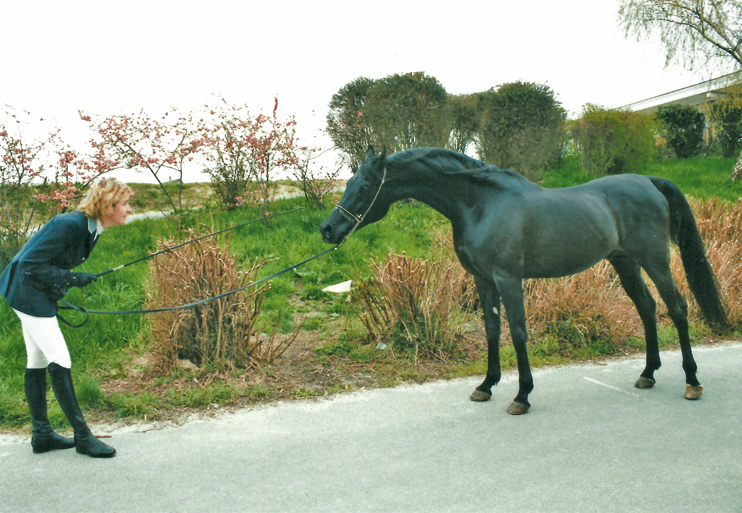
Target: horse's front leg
(490, 301)
(512, 297)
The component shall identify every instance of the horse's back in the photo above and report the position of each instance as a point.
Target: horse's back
(632, 199)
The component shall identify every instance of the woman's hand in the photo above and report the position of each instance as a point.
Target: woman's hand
(81, 279)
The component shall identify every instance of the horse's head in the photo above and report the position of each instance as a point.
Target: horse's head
(364, 202)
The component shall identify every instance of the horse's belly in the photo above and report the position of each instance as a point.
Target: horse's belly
(536, 267)
(574, 250)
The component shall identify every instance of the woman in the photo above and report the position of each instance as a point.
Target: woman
(32, 284)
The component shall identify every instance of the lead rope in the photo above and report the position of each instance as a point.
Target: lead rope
(198, 239)
(68, 306)
(87, 313)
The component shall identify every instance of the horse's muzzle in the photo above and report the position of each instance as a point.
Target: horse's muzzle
(326, 229)
(335, 227)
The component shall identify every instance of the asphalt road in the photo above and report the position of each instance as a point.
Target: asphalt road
(591, 442)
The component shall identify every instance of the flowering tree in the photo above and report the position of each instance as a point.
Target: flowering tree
(244, 153)
(21, 164)
(141, 142)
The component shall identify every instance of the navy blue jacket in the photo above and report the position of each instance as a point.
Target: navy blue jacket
(40, 273)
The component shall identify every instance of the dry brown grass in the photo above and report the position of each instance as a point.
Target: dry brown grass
(222, 333)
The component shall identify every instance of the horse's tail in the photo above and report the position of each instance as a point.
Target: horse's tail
(701, 278)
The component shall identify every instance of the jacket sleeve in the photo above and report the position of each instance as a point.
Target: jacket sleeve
(39, 261)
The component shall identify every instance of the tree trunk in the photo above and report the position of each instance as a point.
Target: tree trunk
(736, 173)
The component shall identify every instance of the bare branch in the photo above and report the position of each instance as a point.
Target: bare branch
(698, 32)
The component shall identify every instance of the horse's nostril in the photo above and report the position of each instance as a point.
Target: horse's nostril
(325, 230)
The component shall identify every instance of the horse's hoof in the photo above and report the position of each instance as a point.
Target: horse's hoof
(643, 382)
(480, 396)
(693, 392)
(517, 408)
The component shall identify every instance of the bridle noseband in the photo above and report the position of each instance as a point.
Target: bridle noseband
(355, 218)
(347, 214)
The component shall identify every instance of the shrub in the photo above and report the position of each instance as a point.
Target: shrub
(521, 127)
(413, 306)
(408, 110)
(613, 141)
(243, 153)
(316, 186)
(683, 127)
(726, 117)
(223, 332)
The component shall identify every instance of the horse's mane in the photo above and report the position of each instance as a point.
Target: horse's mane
(447, 162)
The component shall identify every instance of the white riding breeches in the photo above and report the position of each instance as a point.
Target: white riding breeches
(44, 342)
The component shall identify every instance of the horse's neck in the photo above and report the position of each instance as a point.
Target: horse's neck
(449, 194)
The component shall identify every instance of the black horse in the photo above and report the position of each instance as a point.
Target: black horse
(506, 229)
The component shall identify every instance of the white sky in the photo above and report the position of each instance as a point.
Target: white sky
(105, 58)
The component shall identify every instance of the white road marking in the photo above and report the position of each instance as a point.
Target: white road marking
(591, 380)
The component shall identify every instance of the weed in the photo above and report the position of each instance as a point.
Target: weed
(131, 404)
(200, 396)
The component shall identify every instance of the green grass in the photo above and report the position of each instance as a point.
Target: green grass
(101, 350)
(699, 177)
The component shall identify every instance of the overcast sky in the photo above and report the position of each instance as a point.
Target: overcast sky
(106, 58)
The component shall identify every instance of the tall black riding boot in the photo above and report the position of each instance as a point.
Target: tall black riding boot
(43, 437)
(85, 442)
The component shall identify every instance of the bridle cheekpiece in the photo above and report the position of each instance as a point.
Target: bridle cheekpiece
(358, 219)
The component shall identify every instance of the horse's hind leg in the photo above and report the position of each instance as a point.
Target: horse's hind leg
(631, 279)
(677, 308)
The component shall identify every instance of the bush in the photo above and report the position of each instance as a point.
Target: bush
(683, 126)
(521, 128)
(726, 117)
(223, 332)
(613, 141)
(413, 305)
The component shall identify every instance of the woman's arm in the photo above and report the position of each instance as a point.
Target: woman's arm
(47, 247)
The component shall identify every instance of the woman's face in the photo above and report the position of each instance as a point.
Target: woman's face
(121, 211)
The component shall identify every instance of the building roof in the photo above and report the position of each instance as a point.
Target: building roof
(695, 95)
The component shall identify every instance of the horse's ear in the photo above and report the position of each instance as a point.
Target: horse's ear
(370, 152)
(382, 156)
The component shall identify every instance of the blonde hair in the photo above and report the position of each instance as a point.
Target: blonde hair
(98, 203)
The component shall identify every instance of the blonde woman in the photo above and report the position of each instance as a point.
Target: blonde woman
(32, 284)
